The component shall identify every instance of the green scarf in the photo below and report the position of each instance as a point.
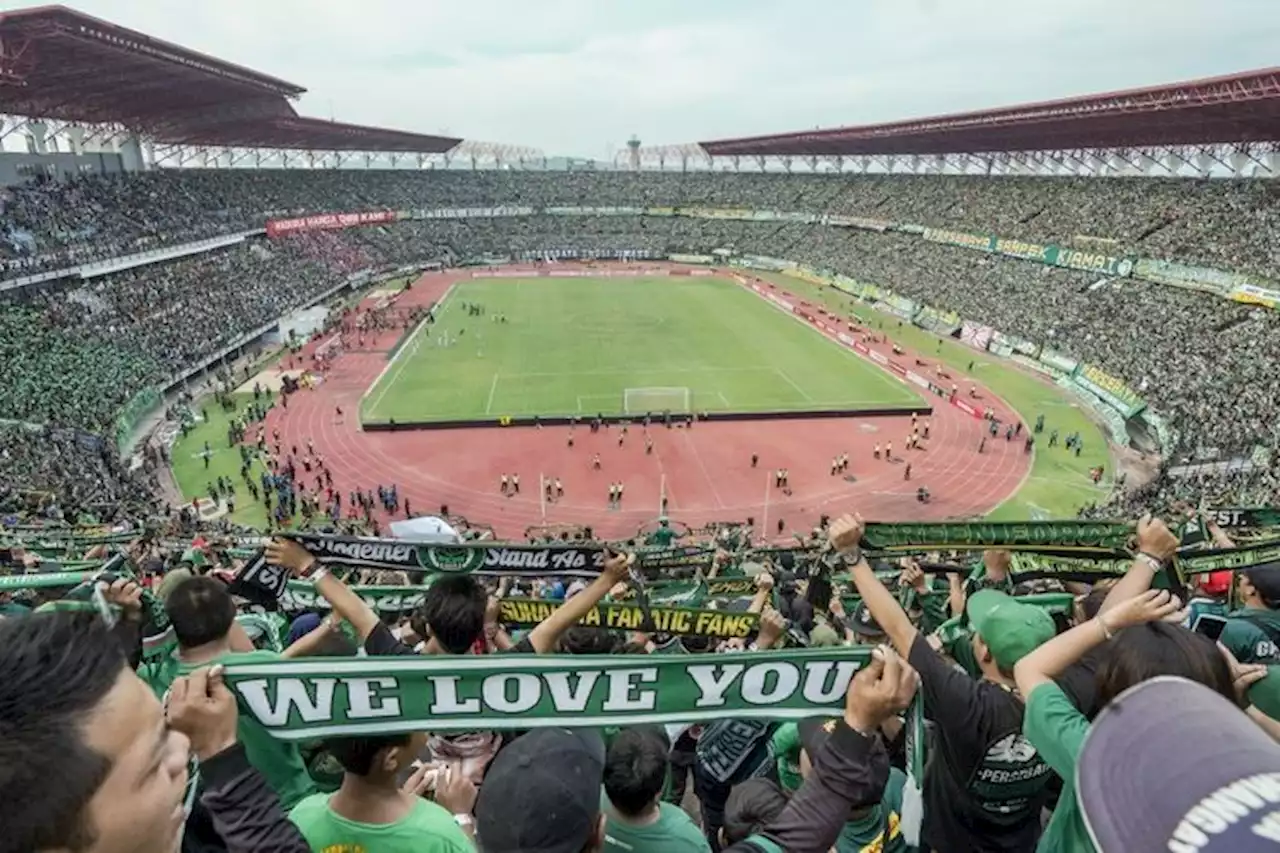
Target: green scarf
(1083, 536)
(684, 621)
(10, 583)
(307, 699)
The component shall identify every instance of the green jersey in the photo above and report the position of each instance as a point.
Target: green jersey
(673, 832)
(428, 828)
(279, 761)
(880, 829)
(1056, 729)
(1253, 635)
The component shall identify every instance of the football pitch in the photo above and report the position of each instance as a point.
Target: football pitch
(616, 346)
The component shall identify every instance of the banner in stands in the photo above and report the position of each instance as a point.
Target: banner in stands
(1091, 262)
(1034, 364)
(976, 335)
(1217, 282)
(716, 212)
(1024, 250)
(899, 306)
(1002, 344)
(858, 222)
(1109, 389)
(329, 221)
(1212, 469)
(937, 320)
(848, 285)
(1046, 254)
(1253, 295)
(981, 242)
(573, 254)
(470, 212)
(691, 259)
(759, 262)
(1058, 360)
(808, 274)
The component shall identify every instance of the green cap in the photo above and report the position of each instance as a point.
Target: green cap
(1265, 694)
(1011, 629)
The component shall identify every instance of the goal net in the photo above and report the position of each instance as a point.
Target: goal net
(640, 401)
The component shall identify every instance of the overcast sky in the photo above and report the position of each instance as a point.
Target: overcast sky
(578, 77)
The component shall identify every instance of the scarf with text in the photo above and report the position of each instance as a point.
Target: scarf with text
(265, 584)
(520, 612)
(308, 699)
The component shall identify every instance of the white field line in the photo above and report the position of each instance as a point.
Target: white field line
(488, 407)
(793, 384)
(400, 359)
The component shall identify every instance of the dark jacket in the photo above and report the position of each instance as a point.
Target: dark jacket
(850, 771)
(245, 811)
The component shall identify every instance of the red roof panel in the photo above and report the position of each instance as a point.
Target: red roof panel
(1238, 108)
(56, 63)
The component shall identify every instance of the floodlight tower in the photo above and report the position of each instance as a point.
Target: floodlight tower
(633, 156)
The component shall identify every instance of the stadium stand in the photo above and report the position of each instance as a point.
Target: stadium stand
(118, 290)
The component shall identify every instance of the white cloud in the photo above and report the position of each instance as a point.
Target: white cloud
(571, 76)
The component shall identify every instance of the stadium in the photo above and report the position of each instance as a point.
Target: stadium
(364, 489)
(633, 292)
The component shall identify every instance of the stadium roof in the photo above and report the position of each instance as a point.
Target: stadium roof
(1235, 109)
(56, 63)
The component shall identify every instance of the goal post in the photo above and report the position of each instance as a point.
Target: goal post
(640, 401)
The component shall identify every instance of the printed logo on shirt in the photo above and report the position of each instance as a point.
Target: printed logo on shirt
(344, 848)
(1010, 775)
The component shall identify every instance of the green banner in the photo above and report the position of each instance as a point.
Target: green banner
(1109, 389)
(1236, 518)
(8, 583)
(1092, 536)
(308, 699)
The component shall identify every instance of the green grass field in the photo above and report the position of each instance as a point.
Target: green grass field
(574, 346)
(194, 478)
(1058, 486)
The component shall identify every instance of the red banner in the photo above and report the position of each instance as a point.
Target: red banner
(328, 221)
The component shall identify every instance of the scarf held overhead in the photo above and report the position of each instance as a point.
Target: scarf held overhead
(307, 699)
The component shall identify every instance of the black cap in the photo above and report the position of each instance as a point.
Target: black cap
(1170, 760)
(542, 793)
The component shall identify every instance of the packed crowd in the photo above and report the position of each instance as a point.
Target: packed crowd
(1219, 222)
(987, 713)
(67, 475)
(73, 352)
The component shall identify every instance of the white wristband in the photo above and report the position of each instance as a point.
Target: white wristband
(1150, 561)
(318, 574)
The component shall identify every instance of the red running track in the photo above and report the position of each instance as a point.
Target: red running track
(707, 469)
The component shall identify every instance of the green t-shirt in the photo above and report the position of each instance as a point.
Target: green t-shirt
(880, 830)
(662, 537)
(785, 746)
(1247, 640)
(1056, 729)
(279, 761)
(673, 832)
(427, 829)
